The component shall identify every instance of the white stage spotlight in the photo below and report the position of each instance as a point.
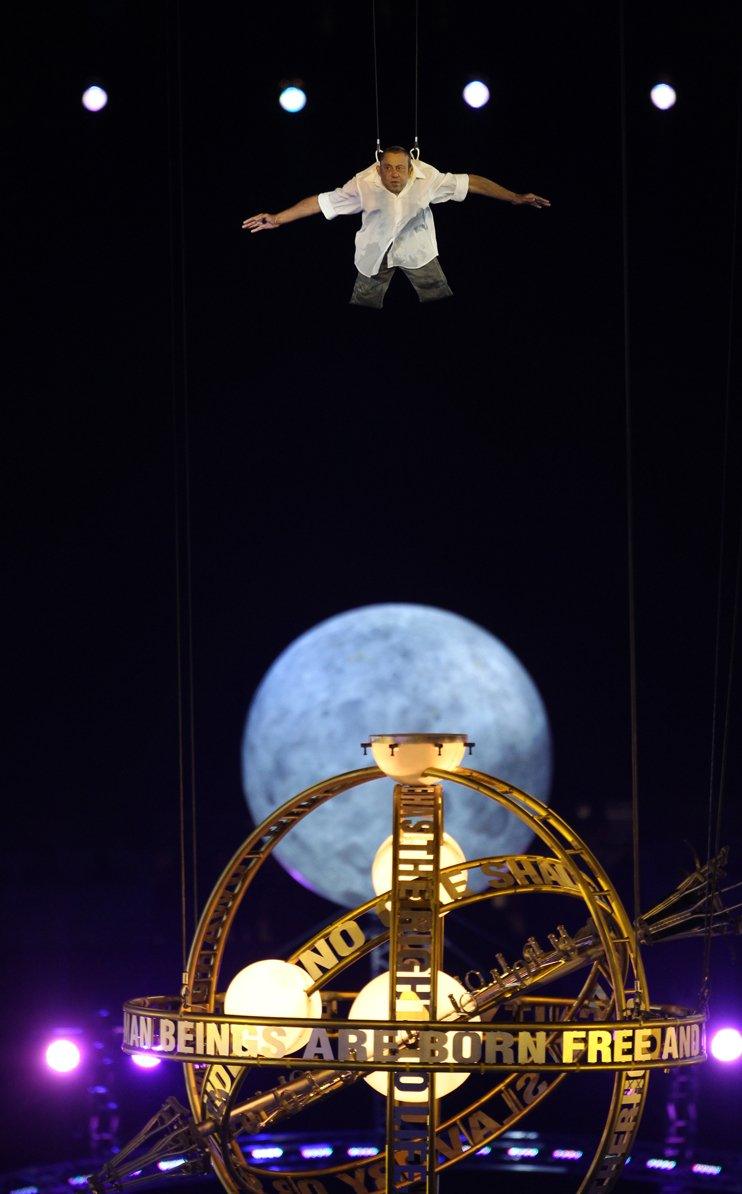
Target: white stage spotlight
(663, 96)
(94, 98)
(476, 94)
(292, 99)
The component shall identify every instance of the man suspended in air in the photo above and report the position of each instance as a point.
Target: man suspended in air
(397, 230)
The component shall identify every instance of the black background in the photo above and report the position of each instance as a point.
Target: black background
(336, 454)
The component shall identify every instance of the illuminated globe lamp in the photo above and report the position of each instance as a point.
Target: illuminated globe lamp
(406, 757)
(273, 988)
(372, 1003)
(449, 854)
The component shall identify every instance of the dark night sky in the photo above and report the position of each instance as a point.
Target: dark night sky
(335, 451)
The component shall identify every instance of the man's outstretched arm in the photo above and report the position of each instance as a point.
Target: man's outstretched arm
(265, 221)
(493, 190)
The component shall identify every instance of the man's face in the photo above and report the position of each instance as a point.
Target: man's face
(395, 169)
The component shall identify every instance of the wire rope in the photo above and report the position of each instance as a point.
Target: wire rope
(376, 78)
(416, 144)
(717, 792)
(181, 492)
(415, 151)
(628, 431)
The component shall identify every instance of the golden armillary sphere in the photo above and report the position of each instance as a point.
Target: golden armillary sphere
(414, 1033)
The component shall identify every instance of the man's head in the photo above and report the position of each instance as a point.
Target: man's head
(395, 167)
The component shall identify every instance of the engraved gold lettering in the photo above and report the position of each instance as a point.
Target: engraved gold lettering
(598, 1046)
(573, 1042)
(167, 1035)
(319, 1045)
(185, 1036)
(670, 1046)
(646, 1044)
(451, 1145)
(497, 874)
(352, 1044)
(217, 1039)
(498, 1046)
(479, 1125)
(466, 1046)
(530, 1088)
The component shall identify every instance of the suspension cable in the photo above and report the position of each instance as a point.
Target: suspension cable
(728, 696)
(416, 145)
(716, 793)
(376, 78)
(630, 550)
(181, 490)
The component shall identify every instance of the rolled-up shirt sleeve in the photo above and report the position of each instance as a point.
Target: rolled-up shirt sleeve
(344, 201)
(449, 186)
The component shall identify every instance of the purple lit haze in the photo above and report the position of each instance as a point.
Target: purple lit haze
(145, 1061)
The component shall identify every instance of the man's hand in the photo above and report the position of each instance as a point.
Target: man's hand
(265, 222)
(261, 223)
(531, 200)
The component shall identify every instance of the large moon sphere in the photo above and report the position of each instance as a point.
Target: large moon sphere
(385, 669)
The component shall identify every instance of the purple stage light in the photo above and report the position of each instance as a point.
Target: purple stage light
(517, 1152)
(726, 1044)
(362, 1150)
(312, 1152)
(660, 1163)
(706, 1170)
(170, 1163)
(266, 1153)
(146, 1061)
(62, 1055)
(567, 1154)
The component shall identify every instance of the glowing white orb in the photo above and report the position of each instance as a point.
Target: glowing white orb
(726, 1044)
(273, 988)
(663, 96)
(372, 1003)
(406, 757)
(450, 854)
(476, 94)
(63, 1056)
(146, 1061)
(94, 98)
(292, 99)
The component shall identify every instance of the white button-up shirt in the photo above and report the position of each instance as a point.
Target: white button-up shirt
(403, 223)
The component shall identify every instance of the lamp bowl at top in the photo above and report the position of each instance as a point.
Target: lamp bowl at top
(404, 757)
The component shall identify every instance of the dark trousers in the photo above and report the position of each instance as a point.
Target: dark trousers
(428, 280)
